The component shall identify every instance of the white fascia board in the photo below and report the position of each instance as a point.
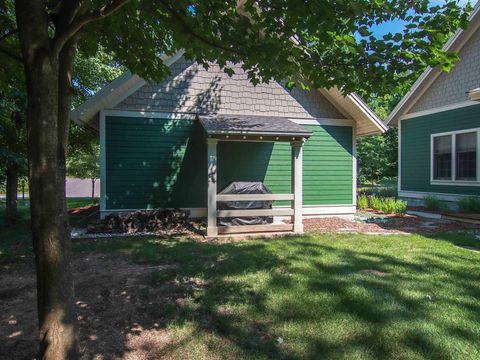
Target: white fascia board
(115, 92)
(369, 113)
(354, 107)
(441, 196)
(455, 43)
(474, 94)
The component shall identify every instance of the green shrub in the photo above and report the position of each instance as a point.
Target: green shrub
(362, 201)
(389, 205)
(469, 204)
(432, 203)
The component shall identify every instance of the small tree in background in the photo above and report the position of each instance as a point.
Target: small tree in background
(84, 164)
(378, 154)
(13, 145)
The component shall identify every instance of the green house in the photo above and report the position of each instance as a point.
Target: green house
(439, 126)
(177, 144)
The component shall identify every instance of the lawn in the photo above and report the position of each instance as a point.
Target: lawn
(317, 296)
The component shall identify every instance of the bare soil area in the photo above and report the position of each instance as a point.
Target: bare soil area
(121, 309)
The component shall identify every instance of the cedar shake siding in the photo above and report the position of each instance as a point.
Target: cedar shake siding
(192, 89)
(451, 88)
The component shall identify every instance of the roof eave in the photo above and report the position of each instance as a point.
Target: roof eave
(474, 94)
(114, 93)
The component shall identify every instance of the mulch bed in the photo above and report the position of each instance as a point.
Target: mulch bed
(391, 225)
(173, 222)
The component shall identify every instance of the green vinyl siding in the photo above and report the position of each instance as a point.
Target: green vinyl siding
(162, 163)
(327, 165)
(154, 163)
(415, 152)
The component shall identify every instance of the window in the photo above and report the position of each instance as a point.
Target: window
(466, 153)
(455, 157)
(442, 157)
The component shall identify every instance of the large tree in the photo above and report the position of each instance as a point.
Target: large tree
(320, 43)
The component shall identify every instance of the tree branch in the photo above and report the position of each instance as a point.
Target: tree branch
(80, 21)
(11, 54)
(8, 33)
(188, 29)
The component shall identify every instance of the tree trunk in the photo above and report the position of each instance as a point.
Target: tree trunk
(46, 158)
(93, 189)
(12, 190)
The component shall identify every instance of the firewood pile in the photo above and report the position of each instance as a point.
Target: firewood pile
(158, 221)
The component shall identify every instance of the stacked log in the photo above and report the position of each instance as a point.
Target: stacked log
(145, 221)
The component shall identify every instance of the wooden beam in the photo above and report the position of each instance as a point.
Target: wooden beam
(255, 212)
(254, 228)
(212, 187)
(254, 197)
(297, 185)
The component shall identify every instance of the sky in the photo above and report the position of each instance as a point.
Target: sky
(397, 25)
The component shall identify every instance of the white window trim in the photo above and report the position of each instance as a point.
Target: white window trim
(454, 181)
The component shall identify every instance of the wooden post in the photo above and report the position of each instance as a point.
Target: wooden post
(212, 187)
(297, 185)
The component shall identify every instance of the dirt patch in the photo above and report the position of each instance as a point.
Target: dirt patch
(374, 272)
(122, 307)
(388, 224)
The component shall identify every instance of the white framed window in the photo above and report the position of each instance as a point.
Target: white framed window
(455, 158)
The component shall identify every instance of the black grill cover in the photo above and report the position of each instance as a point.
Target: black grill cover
(245, 187)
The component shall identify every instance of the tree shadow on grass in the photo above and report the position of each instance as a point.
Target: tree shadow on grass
(289, 298)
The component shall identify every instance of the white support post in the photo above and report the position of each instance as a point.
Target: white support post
(103, 168)
(297, 186)
(212, 187)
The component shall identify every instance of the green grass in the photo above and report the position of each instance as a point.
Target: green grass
(312, 293)
(23, 207)
(469, 204)
(388, 205)
(15, 239)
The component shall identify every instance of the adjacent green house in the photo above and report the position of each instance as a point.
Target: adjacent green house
(177, 144)
(439, 126)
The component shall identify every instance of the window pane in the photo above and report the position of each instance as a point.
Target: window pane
(442, 157)
(466, 156)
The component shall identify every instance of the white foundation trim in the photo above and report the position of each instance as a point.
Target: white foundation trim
(440, 196)
(439, 109)
(329, 210)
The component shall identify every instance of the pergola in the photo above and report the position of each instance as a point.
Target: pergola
(248, 128)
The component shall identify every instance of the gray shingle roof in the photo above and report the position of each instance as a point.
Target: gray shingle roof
(252, 125)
